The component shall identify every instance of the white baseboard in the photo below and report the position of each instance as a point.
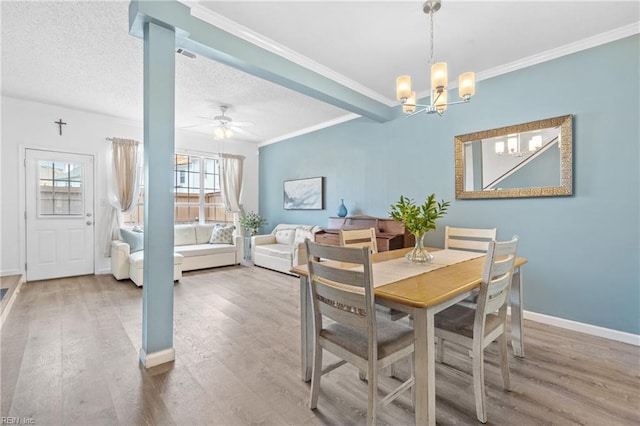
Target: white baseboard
(12, 298)
(9, 272)
(104, 271)
(594, 330)
(157, 358)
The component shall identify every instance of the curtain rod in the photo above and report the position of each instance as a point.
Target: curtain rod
(113, 139)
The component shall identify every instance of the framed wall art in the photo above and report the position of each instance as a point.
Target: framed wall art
(304, 194)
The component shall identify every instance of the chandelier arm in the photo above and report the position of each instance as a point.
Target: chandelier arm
(464, 101)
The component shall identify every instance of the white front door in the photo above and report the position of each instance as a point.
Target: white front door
(59, 214)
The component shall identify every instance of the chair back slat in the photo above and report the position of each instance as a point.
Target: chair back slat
(471, 239)
(469, 245)
(343, 313)
(342, 276)
(359, 238)
(496, 277)
(498, 292)
(339, 254)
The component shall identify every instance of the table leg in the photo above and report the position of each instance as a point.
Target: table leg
(425, 367)
(515, 299)
(306, 330)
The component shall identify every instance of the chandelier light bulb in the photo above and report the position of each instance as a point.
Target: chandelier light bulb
(410, 105)
(467, 84)
(439, 75)
(403, 87)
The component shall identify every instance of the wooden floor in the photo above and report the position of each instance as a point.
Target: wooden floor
(70, 347)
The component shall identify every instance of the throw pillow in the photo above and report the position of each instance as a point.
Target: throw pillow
(222, 235)
(134, 239)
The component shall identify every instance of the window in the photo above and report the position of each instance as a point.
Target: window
(197, 192)
(60, 189)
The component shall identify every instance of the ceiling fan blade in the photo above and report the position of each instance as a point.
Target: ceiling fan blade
(206, 118)
(197, 125)
(241, 123)
(241, 131)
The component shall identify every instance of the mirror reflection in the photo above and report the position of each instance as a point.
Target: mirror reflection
(526, 160)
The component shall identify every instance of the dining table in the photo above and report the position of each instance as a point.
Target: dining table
(421, 290)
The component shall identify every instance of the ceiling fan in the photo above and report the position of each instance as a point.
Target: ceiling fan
(225, 126)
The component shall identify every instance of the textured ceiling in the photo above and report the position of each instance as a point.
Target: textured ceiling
(79, 54)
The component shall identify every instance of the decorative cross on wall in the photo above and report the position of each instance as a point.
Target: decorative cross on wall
(60, 123)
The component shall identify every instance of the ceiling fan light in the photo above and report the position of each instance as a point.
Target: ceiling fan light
(219, 133)
(467, 85)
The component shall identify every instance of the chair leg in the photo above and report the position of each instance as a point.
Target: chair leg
(504, 361)
(478, 386)
(372, 395)
(316, 374)
(362, 375)
(439, 349)
(412, 373)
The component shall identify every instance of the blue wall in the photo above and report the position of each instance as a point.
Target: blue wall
(583, 251)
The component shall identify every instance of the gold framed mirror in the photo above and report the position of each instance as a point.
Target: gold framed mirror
(532, 159)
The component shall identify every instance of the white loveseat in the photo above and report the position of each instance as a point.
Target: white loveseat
(283, 248)
(192, 250)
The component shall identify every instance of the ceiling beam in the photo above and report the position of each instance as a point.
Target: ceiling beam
(206, 40)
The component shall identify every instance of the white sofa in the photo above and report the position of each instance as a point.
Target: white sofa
(192, 250)
(283, 248)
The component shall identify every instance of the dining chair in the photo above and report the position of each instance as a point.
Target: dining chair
(469, 239)
(475, 329)
(359, 238)
(345, 322)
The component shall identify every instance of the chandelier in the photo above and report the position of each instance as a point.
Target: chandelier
(439, 80)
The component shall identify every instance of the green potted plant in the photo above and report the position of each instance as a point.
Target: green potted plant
(252, 222)
(418, 220)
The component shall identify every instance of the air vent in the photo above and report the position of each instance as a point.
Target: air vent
(185, 53)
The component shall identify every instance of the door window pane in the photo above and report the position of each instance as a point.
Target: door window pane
(61, 192)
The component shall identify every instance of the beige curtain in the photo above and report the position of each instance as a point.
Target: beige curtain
(231, 181)
(124, 181)
(231, 172)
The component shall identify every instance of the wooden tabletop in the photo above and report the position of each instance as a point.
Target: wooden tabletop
(432, 287)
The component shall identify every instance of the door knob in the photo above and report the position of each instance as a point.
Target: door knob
(88, 214)
(89, 222)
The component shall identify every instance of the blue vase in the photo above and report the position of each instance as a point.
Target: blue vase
(342, 209)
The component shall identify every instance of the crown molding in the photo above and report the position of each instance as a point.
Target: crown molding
(247, 34)
(310, 129)
(561, 51)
